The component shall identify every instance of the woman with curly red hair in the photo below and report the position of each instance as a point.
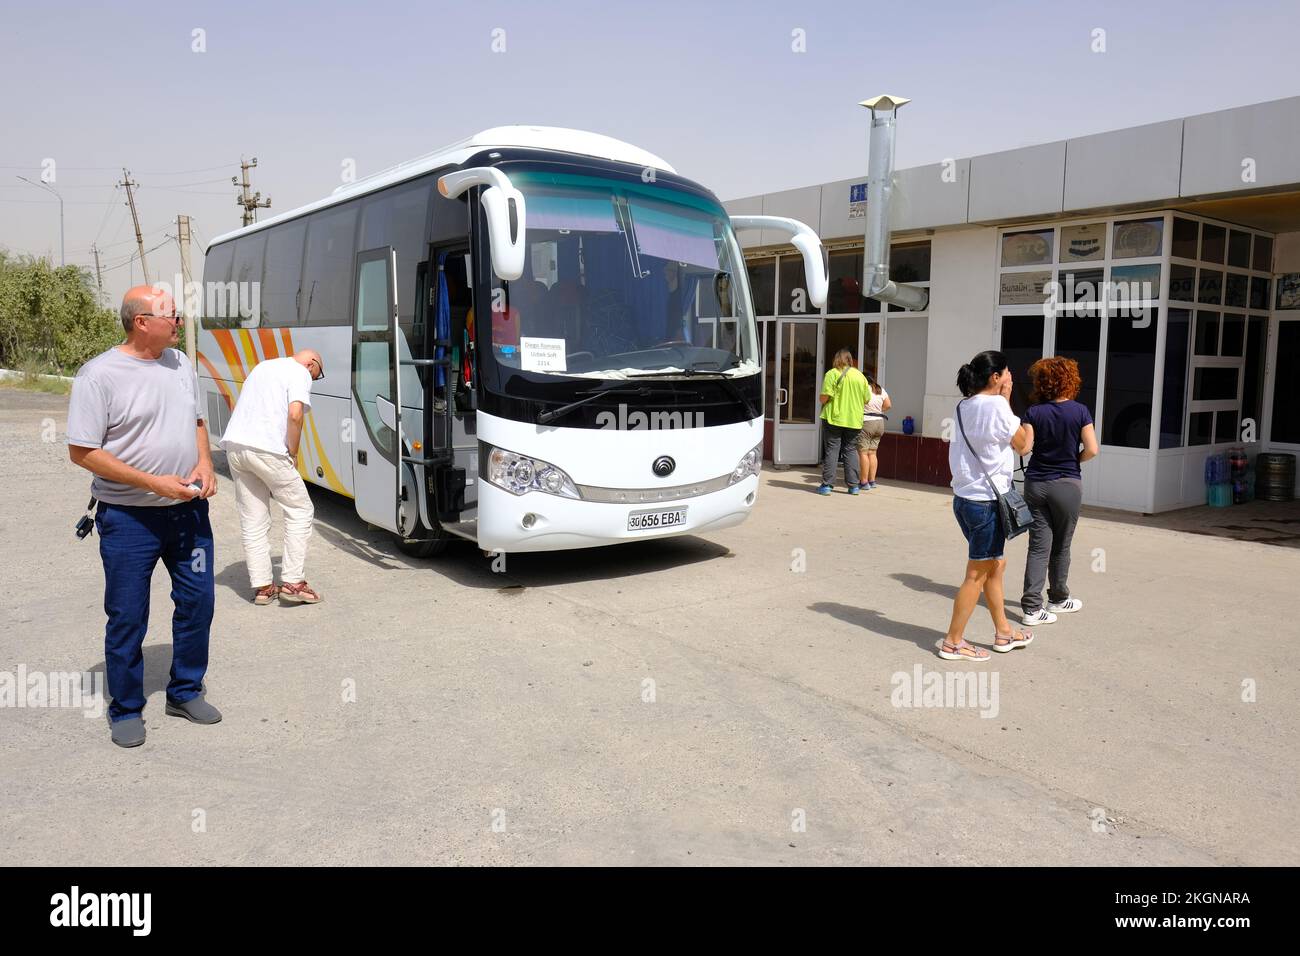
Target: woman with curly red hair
(1064, 437)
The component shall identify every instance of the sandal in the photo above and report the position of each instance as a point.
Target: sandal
(298, 593)
(1003, 642)
(961, 651)
(265, 595)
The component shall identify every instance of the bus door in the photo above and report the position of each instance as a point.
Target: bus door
(383, 483)
(452, 423)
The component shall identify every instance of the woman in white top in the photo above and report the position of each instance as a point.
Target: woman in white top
(993, 431)
(873, 429)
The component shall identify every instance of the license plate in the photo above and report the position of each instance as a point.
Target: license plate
(652, 520)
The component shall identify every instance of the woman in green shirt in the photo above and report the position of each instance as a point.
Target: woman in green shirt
(844, 395)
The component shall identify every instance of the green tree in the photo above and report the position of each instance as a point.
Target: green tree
(50, 316)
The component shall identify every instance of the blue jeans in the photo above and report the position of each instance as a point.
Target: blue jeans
(131, 542)
(982, 527)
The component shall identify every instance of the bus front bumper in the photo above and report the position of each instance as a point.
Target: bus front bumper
(541, 522)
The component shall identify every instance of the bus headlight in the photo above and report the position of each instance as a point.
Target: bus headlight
(750, 464)
(519, 474)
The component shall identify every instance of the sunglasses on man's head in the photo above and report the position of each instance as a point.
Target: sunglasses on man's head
(174, 319)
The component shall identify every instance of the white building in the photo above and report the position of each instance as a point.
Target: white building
(1203, 213)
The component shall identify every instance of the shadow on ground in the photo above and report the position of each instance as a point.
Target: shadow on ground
(923, 637)
(157, 674)
(948, 591)
(464, 563)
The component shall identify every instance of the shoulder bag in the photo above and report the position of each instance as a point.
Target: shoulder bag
(1013, 511)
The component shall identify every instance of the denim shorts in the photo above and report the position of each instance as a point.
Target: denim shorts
(980, 524)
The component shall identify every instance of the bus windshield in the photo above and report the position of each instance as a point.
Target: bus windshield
(623, 279)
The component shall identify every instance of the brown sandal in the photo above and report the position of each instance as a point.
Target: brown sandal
(265, 595)
(299, 593)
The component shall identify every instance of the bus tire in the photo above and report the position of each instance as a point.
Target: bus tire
(430, 544)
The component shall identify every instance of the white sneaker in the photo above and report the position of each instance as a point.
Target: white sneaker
(1068, 606)
(1038, 617)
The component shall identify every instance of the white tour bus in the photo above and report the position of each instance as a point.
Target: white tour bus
(535, 339)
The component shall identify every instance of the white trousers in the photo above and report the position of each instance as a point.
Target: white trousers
(261, 476)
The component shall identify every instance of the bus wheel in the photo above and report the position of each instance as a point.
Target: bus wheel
(431, 543)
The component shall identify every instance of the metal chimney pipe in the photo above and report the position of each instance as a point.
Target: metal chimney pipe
(876, 283)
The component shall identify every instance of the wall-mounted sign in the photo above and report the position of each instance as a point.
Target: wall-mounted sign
(1023, 288)
(1083, 243)
(1138, 238)
(858, 201)
(1027, 248)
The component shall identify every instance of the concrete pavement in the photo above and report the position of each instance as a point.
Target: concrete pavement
(729, 699)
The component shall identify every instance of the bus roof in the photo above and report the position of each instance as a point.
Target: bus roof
(559, 139)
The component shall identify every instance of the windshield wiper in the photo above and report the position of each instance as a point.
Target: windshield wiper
(641, 391)
(694, 370)
(727, 382)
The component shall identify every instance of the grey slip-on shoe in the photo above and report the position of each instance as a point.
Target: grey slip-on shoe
(128, 732)
(196, 709)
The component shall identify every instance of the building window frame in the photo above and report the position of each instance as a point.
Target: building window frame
(1159, 304)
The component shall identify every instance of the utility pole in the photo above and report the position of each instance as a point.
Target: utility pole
(183, 238)
(250, 203)
(139, 239)
(99, 276)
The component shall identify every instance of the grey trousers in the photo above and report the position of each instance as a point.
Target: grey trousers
(840, 444)
(1055, 505)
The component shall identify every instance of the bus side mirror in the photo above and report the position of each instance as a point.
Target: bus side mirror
(815, 270)
(503, 207)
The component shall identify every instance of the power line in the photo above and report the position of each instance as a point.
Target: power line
(136, 255)
(71, 185)
(124, 242)
(188, 192)
(199, 182)
(104, 222)
(75, 202)
(153, 172)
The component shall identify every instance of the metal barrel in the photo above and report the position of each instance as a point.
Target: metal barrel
(1275, 476)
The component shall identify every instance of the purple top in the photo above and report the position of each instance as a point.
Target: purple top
(1057, 430)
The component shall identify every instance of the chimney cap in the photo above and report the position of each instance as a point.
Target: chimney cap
(885, 102)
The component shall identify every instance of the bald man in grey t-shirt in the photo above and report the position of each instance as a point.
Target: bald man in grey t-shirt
(134, 421)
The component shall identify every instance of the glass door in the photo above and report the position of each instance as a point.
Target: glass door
(381, 480)
(797, 439)
(871, 351)
(1284, 403)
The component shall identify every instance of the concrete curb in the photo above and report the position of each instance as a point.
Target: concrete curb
(8, 374)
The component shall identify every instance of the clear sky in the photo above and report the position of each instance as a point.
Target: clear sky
(721, 90)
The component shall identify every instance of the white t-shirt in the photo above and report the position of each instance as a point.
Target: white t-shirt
(261, 415)
(990, 423)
